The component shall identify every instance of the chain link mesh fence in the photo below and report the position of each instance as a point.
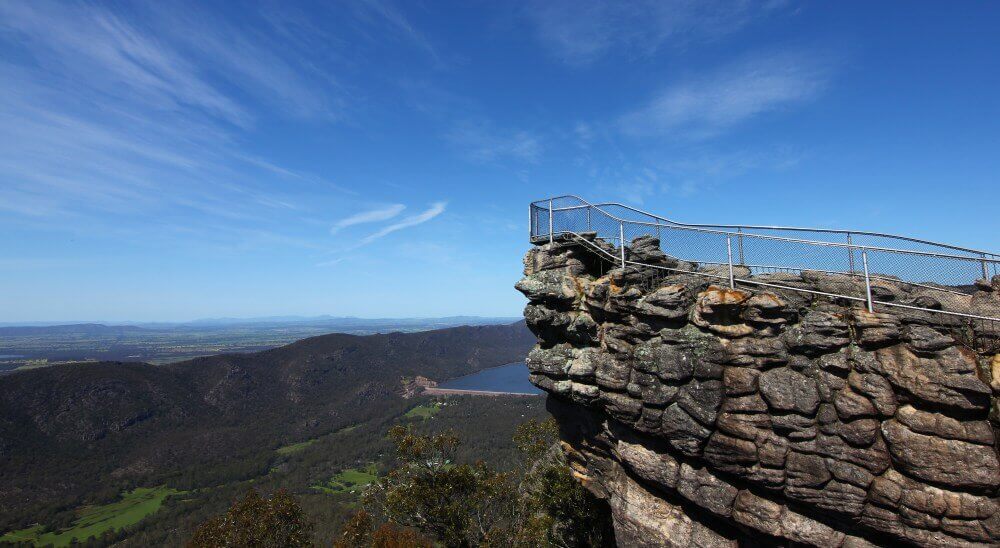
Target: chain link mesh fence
(900, 272)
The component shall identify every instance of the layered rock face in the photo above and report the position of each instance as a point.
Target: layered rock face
(710, 416)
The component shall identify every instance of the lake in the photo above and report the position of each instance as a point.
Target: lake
(512, 377)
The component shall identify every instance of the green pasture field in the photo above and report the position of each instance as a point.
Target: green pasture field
(295, 447)
(351, 480)
(95, 520)
(423, 411)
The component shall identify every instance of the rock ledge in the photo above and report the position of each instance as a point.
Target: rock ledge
(710, 416)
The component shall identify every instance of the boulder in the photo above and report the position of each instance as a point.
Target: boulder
(720, 310)
(787, 390)
(670, 302)
(952, 463)
(947, 381)
(819, 332)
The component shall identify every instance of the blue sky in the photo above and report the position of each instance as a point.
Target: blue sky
(170, 161)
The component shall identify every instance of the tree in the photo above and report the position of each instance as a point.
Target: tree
(457, 504)
(561, 511)
(359, 531)
(556, 510)
(533, 437)
(254, 521)
(462, 505)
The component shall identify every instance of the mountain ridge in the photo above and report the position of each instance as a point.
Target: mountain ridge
(70, 430)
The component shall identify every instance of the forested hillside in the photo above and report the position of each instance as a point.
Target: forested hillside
(84, 434)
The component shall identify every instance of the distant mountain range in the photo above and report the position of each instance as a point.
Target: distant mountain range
(34, 345)
(351, 320)
(347, 321)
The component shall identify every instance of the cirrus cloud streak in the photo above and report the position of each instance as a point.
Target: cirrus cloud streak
(372, 216)
(705, 107)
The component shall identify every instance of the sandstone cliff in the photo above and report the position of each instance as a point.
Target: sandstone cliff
(710, 416)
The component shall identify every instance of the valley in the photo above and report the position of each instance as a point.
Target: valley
(95, 521)
(310, 417)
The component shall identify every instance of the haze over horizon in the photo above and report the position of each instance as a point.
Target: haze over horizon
(376, 158)
(246, 319)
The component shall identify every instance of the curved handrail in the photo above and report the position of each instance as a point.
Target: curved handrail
(928, 266)
(822, 243)
(751, 281)
(669, 222)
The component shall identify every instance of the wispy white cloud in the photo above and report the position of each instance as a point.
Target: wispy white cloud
(287, 79)
(583, 134)
(712, 164)
(706, 106)
(103, 52)
(483, 143)
(292, 174)
(331, 262)
(111, 116)
(688, 170)
(370, 216)
(433, 211)
(397, 21)
(583, 31)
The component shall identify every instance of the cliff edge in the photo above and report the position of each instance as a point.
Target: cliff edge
(712, 416)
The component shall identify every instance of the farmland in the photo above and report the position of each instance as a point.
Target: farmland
(95, 520)
(350, 481)
(424, 411)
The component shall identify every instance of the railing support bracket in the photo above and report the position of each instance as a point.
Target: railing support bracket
(868, 282)
(551, 237)
(850, 254)
(621, 241)
(739, 231)
(729, 252)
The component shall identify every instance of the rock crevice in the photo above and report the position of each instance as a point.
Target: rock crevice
(714, 416)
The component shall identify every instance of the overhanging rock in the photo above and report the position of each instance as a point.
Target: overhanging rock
(712, 416)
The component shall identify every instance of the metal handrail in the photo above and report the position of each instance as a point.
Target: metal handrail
(749, 281)
(982, 258)
(801, 241)
(584, 204)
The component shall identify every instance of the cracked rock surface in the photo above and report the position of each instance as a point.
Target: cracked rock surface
(711, 416)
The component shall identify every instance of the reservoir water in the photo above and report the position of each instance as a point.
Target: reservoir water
(512, 377)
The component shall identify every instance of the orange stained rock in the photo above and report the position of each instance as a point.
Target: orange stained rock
(724, 295)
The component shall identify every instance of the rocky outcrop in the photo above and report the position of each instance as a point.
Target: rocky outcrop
(711, 416)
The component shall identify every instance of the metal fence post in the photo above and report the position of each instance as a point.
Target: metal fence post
(729, 252)
(850, 253)
(550, 222)
(588, 218)
(986, 271)
(740, 237)
(621, 241)
(868, 283)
